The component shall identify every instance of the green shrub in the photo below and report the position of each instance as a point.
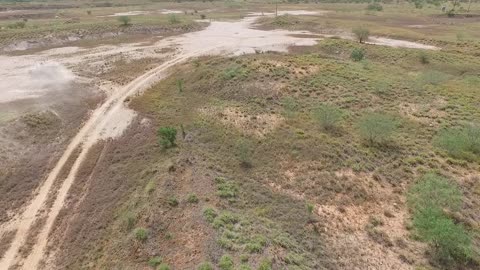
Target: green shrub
(226, 189)
(163, 266)
(180, 85)
(172, 18)
(310, 208)
(290, 106)
(327, 116)
(226, 262)
(172, 201)
(141, 234)
(17, 25)
(265, 264)
(167, 136)
(460, 143)
(357, 54)
(210, 214)
(432, 77)
(128, 221)
(428, 199)
(434, 191)
(192, 198)
(244, 267)
(124, 20)
(361, 34)
(225, 220)
(205, 266)
(375, 7)
(376, 128)
(424, 58)
(235, 71)
(203, 16)
(155, 261)
(244, 153)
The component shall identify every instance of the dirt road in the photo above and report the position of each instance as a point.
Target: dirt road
(112, 117)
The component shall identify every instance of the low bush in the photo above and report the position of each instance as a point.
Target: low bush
(172, 201)
(265, 264)
(428, 199)
(205, 266)
(377, 128)
(124, 20)
(172, 18)
(155, 261)
(192, 198)
(163, 266)
(17, 25)
(167, 136)
(210, 214)
(375, 7)
(460, 143)
(244, 153)
(357, 54)
(141, 234)
(327, 116)
(226, 189)
(226, 262)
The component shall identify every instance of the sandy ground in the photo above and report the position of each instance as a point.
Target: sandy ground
(36, 75)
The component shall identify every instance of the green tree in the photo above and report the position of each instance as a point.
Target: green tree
(377, 128)
(124, 20)
(167, 136)
(361, 34)
(328, 116)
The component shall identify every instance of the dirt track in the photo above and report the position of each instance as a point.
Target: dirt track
(219, 38)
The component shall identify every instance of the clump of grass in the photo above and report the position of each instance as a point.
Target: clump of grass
(256, 244)
(424, 58)
(155, 261)
(226, 189)
(428, 199)
(167, 136)
(150, 187)
(244, 153)
(17, 25)
(377, 128)
(226, 262)
(163, 266)
(141, 234)
(205, 266)
(235, 71)
(180, 84)
(128, 221)
(172, 201)
(124, 20)
(375, 7)
(460, 143)
(265, 264)
(192, 198)
(357, 54)
(210, 214)
(327, 116)
(290, 106)
(361, 33)
(225, 219)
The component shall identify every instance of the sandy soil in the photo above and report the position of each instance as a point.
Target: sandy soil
(112, 117)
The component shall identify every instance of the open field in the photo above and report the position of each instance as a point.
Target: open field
(216, 135)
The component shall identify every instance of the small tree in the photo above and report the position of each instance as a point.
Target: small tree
(376, 128)
(361, 33)
(124, 20)
(167, 136)
(327, 116)
(172, 18)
